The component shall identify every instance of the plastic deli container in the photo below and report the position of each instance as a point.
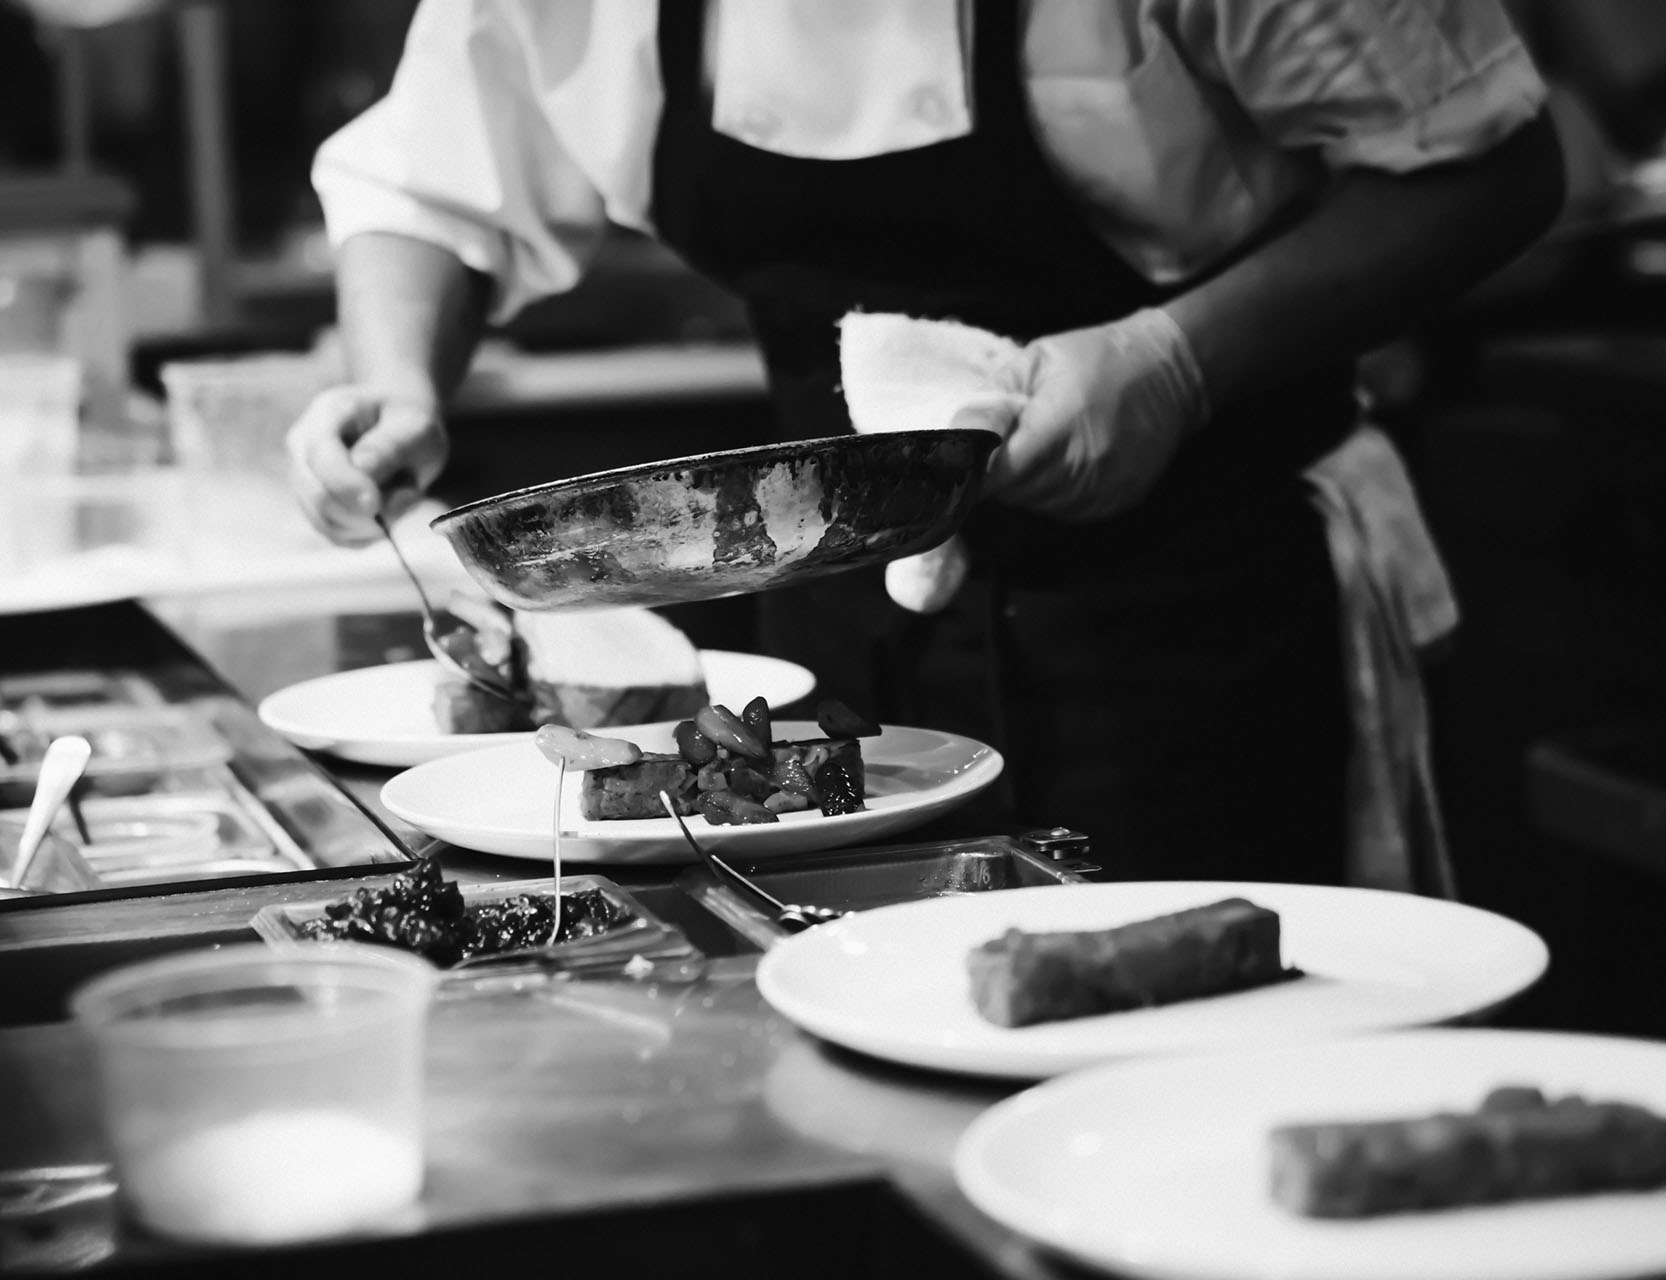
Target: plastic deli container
(258, 1097)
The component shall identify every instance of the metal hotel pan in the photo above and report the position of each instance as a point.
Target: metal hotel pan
(720, 524)
(863, 878)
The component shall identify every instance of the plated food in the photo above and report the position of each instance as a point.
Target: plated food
(385, 714)
(583, 668)
(499, 799)
(1517, 1145)
(893, 981)
(1456, 1152)
(728, 768)
(1021, 978)
(423, 912)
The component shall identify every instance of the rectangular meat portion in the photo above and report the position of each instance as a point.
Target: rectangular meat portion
(1023, 978)
(1517, 1146)
(632, 790)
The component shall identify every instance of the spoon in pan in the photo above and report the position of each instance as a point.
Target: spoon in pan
(792, 916)
(433, 634)
(60, 770)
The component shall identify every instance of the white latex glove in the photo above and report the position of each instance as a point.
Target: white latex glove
(900, 374)
(1108, 407)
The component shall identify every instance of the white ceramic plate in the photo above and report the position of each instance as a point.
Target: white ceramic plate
(1158, 1168)
(385, 714)
(892, 982)
(500, 800)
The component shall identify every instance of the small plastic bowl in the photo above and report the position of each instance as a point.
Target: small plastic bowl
(255, 1097)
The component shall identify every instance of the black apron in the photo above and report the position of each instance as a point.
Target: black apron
(1169, 680)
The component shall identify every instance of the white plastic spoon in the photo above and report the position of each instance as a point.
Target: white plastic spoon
(60, 769)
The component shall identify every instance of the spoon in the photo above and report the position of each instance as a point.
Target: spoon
(792, 916)
(60, 769)
(431, 631)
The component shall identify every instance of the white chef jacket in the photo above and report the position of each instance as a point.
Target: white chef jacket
(514, 128)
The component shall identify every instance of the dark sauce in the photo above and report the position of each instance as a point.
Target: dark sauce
(421, 911)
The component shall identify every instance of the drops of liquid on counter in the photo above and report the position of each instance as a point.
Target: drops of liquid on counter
(274, 1176)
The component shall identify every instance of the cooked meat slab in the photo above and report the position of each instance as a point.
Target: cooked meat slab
(1020, 978)
(1517, 1146)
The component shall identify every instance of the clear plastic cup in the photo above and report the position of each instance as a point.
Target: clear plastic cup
(253, 1095)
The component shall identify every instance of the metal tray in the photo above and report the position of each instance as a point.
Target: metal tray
(860, 879)
(79, 687)
(176, 836)
(134, 745)
(641, 936)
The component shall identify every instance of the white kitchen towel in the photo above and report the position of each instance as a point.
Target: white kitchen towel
(901, 373)
(1396, 602)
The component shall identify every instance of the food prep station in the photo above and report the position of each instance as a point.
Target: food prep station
(634, 1098)
(668, 1092)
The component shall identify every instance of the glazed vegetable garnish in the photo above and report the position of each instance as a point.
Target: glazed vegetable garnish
(728, 730)
(694, 746)
(583, 750)
(755, 716)
(839, 721)
(729, 769)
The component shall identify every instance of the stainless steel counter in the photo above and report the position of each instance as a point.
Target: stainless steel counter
(592, 1098)
(673, 1123)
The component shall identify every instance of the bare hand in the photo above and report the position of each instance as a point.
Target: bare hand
(358, 452)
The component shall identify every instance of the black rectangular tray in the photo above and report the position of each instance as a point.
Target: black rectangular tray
(641, 938)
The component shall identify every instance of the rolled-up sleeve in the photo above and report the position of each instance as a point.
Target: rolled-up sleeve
(458, 154)
(1389, 84)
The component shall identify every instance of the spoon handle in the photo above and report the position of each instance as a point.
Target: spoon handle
(422, 594)
(60, 768)
(720, 868)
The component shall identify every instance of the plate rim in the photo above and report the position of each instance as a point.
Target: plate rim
(985, 768)
(380, 748)
(973, 1174)
(1020, 1062)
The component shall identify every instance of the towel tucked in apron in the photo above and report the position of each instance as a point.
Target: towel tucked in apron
(1396, 603)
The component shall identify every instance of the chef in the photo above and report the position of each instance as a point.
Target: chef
(1195, 590)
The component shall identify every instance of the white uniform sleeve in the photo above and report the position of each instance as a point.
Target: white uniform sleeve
(459, 154)
(1389, 84)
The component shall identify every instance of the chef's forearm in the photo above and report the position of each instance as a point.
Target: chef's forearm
(1378, 251)
(411, 314)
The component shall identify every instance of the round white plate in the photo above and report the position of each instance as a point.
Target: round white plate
(385, 714)
(892, 982)
(1159, 1168)
(501, 800)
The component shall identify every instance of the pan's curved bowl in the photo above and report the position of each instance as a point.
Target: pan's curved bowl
(720, 524)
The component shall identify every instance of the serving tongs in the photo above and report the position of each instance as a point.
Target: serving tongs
(795, 917)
